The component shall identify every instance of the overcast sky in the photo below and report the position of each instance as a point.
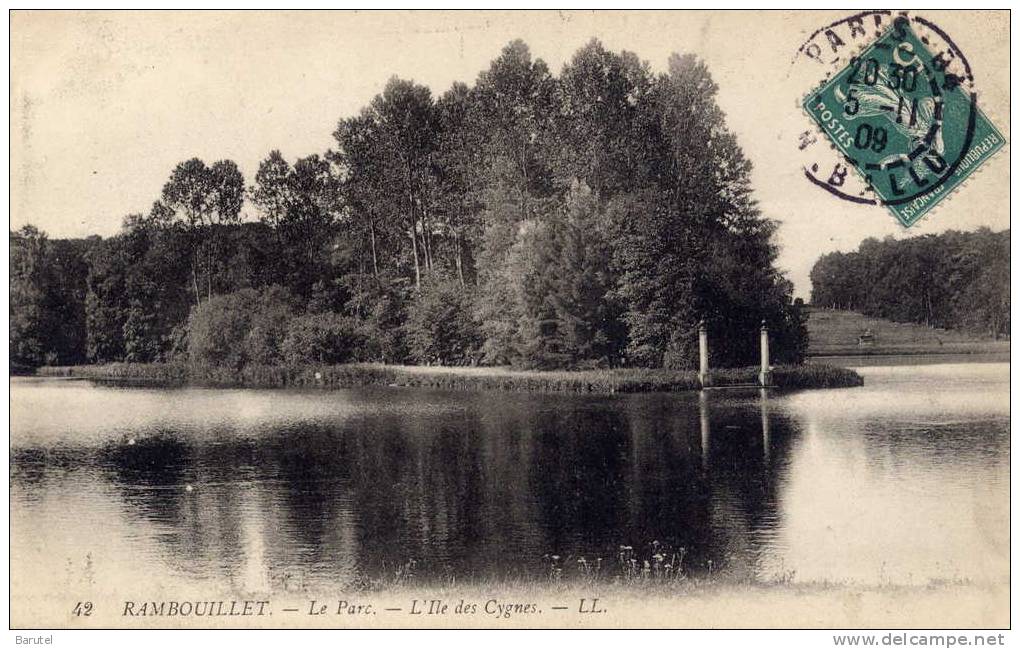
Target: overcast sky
(103, 105)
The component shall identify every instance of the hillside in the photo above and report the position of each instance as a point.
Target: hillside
(835, 333)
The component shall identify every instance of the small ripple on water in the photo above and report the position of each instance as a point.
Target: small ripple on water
(291, 488)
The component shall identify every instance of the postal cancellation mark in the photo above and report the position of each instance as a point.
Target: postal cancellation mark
(905, 119)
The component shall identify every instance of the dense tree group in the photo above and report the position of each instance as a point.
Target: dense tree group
(587, 219)
(954, 280)
(47, 298)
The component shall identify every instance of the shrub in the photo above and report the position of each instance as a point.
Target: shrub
(378, 304)
(321, 338)
(440, 328)
(238, 328)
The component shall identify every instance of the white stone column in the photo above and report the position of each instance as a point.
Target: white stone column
(765, 375)
(703, 354)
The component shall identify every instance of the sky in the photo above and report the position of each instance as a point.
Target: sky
(105, 104)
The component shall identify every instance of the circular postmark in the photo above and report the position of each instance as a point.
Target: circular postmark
(896, 121)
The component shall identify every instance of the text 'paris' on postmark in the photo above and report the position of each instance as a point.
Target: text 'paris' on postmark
(902, 113)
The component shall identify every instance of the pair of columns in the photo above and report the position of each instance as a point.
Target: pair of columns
(764, 374)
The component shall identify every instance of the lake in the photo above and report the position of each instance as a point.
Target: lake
(125, 488)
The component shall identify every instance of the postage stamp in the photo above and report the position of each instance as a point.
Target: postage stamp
(905, 121)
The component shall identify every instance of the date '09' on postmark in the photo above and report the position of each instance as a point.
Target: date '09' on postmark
(905, 122)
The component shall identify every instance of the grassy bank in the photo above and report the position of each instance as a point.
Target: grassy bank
(835, 333)
(456, 378)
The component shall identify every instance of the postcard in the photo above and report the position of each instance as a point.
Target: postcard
(510, 319)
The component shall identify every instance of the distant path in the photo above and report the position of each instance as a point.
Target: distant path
(835, 334)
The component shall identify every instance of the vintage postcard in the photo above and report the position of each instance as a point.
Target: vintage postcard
(510, 319)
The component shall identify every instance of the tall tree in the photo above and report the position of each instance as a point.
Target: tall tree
(406, 131)
(28, 323)
(540, 337)
(272, 192)
(389, 147)
(601, 98)
(459, 184)
(366, 177)
(516, 100)
(47, 298)
(303, 205)
(205, 198)
(587, 307)
(697, 247)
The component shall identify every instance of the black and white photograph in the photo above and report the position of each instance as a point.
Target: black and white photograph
(517, 319)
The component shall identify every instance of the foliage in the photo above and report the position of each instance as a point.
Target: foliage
(139, 285)
(201, 195)
(320, 338)
(379, 307)
(201, 200)
(440, 327)
(241, 328)
(957, 280)
(587, 219)
(302, 206)
(47, 295)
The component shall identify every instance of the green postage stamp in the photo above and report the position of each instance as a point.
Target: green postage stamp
(905, 121)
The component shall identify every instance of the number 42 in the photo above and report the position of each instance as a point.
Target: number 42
(82, 609)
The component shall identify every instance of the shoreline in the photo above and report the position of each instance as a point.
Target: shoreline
(975, 349)
(499, 379)
(914, 359)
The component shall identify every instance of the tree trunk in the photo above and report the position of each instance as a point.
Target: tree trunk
(426, 237)
(194, 278)
(459, 257)
(208, 273)
(425, 246)
(425, 242)
(524, 174)
(414, 249)
(371, 234)
(414, 226)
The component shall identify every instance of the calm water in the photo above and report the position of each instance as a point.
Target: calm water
(902, 481)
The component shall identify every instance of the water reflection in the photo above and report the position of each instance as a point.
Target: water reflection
(328, 489)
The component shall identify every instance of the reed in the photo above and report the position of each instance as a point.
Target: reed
(815, 376)
(143, 372)
(602, 381)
